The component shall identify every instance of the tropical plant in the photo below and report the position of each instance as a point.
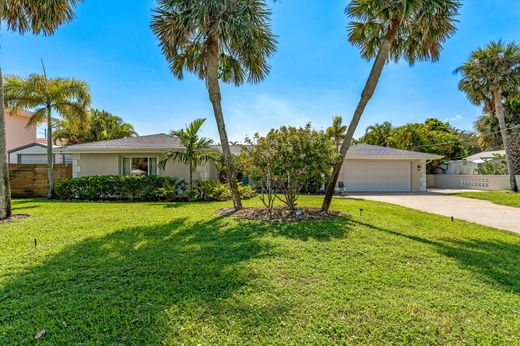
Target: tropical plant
(196, 149)
(377, 134)
(228, 40)
(68, 98)
(100, 125)
(337, 131)
(283, 160)
(497, 166)
(38, 17)
(391, 30)
(488, 76)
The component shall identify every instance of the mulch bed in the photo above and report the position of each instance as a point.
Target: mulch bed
(14, 218)
(279, 214)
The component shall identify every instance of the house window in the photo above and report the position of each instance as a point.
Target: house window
(139, 166)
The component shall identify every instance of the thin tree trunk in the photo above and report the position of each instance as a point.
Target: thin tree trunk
(366, 95)
(5, 189)
(50, 158)
(499, 111)
(191, 174)
(215, 98)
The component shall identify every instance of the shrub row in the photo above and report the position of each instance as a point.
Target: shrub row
(144, 188)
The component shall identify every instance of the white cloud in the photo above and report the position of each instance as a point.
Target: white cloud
(454, 118)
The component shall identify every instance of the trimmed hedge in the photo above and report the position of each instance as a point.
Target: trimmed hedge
(126, 188)
(144, 188)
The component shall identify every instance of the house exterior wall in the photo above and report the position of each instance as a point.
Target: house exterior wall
(109, 164)
(16, 130)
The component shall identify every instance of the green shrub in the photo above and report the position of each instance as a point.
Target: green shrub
(128, 188)
(214, 190)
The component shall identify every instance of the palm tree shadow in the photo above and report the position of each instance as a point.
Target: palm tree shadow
(494, 260)
(120, 288)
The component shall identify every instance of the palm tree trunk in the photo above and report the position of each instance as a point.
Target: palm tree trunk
(50, 158)
(215, 98)
(191, 174)
(5, 189)
(499, 111)
(366, 95)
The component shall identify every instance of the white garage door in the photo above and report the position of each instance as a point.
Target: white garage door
(373, 176)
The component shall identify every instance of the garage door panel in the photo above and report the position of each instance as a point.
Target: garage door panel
(373, 176)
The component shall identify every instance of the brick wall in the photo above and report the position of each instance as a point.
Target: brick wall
(31, 180)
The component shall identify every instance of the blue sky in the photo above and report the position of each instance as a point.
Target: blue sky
(315, 74)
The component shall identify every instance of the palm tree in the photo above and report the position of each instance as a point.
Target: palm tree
(228, 40)
(377, 134)
(488, 75)
(100, 126)
(337, 131)
(67, 97)
(38, 17)
(196, 148)
(391, 30)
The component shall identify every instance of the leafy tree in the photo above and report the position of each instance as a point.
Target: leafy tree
(488, 76)
(377, 134)
(196, 148)
(66, 97)
(228, 40)
(99, 126)
(37, 17)
(337, 131)
(283, 159)
(391, 30)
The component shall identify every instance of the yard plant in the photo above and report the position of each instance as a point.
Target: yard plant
(103, 273)
(217, 40)
(37, 17)
(390, 30)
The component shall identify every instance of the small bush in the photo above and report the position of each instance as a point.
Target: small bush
(214, 190)
(128, 188)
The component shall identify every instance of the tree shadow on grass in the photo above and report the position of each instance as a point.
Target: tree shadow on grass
(142, 284)
(320, 230)
(494, 260)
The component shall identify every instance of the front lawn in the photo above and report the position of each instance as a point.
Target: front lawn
(499, 197)
(176, 273)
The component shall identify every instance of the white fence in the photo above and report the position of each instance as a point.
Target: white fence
(473, 182)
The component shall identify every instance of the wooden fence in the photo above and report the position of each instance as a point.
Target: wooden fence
(31, 180)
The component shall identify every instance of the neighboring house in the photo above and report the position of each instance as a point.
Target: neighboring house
(17, 132)
(470, 164)
(366, 168)
(35, 153)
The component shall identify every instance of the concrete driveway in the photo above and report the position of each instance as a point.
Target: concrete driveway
(472, 210)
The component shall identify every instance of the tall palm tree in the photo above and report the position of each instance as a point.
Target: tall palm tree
(391, 30)
(66, 97)
(337, 131)
(196, 148)
(228, 40)
(38, 17)
(488, 75)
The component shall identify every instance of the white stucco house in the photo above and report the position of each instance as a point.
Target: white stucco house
(366, 168)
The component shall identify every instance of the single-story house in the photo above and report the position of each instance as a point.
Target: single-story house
(36, 153)
(470, 164)
(366, 168)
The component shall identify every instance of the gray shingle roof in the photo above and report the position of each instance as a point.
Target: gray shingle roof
(367, 151)
(163, 142)
(160, 142)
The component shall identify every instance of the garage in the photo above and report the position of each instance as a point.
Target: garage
(370, 176)
(371, 168)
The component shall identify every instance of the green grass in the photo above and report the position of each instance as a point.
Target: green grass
(499, 197)
(175, 273)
